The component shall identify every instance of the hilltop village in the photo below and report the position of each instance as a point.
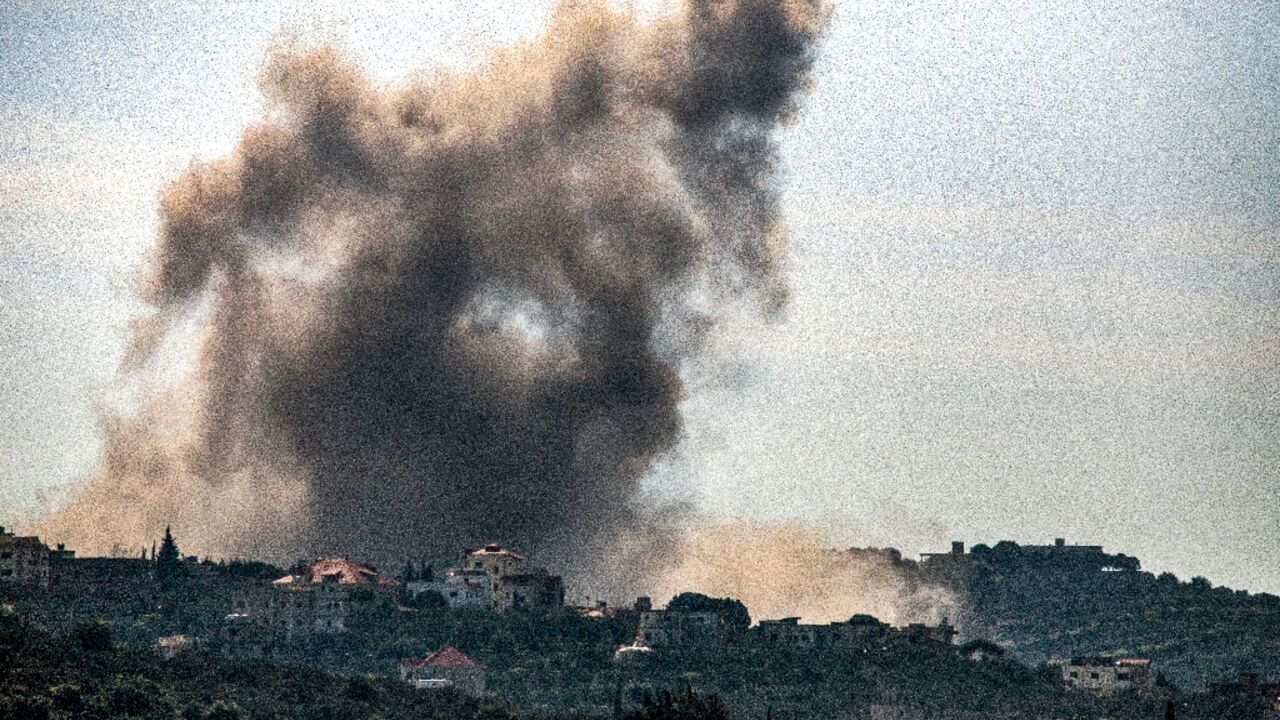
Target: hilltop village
(486, 624)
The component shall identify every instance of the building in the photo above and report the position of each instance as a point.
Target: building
(289, 609)
(24, 560)
(1249, 687)
(497, 578)
(944, 633)
(459, 588)
(680, 628)
(1107, 677)
(860, 631)
(170, 646)
(1059, 557)
(446, 667)
(315, 599)
(341, 571)
(532, 590)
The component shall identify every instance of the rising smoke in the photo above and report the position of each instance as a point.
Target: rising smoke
(455, 310)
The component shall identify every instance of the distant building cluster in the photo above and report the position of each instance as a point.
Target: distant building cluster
(678, 628)
(316, 600)
(1056, 557)
(860, 631)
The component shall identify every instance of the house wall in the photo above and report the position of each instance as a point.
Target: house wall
(23, 560)
(296, 610)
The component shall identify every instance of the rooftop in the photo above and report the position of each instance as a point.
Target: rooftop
(447, 656)
(341, 571)
(494, 549)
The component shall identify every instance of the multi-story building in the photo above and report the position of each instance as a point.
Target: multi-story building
(24, 560)
(459, 588)
(677, 628)
(290, 609)
(1106, 676)
(495, 577)
(313, 600)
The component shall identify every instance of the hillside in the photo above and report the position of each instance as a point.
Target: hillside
(1044, 606)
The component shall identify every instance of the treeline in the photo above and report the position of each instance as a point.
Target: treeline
(1195, 633)
(85, 675)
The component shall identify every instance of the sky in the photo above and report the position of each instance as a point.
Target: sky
(1035, 262)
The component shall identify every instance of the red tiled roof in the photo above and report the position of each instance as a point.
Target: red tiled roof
(348, 572)
(493, 549)
(447, 656)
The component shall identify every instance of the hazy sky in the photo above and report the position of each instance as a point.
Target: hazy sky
(1036, 263)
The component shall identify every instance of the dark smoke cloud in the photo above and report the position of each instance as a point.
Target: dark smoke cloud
(457, 310)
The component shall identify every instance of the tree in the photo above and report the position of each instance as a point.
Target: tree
(689, 706)
(407, 575)
(732, 611)
(168, 560)
(93, 637)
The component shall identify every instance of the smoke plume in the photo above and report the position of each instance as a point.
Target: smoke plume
(455, 310)
(784, 569)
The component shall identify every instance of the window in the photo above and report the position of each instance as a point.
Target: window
(6, 555)
(1122, 676)
(1075, 674)
(1093, 676)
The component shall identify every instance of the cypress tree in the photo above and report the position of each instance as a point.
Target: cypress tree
(168, 564)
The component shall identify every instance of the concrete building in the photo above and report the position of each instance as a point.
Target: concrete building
(290, 609)
(1107, 677)
(498, 578)
(459, 588)
(677, 628)
(446, 667)
(24, 560)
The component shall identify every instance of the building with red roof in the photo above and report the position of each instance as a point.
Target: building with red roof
(342, 571)
(446, 667)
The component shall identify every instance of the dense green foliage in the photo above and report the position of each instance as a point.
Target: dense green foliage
(1193, 632)
(733, 611)
(45, 676)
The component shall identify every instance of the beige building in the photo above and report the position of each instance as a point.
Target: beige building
(498, 578)
(446, 667)
(1107, 677)
(23, 560)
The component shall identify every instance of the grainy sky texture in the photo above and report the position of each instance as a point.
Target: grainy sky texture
(1035, 265)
